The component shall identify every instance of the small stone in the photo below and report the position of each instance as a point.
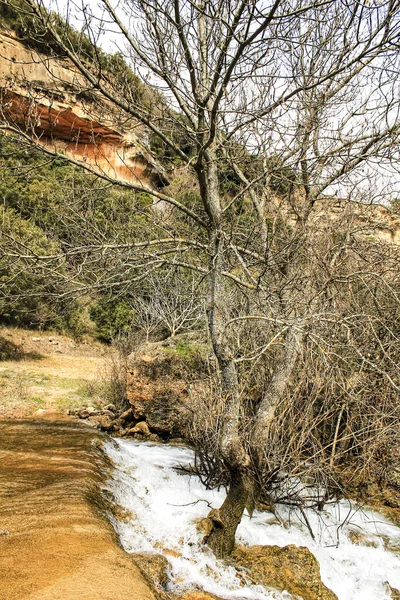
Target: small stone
(110, 407)
(178, 441)
(205, 527)
(4, 532)
(105, 423)
(91, 410)
(173, 553)
(116, 425)
(83, 413)
(127, 415)
(107, 413)
(154, 566)
(141, 428)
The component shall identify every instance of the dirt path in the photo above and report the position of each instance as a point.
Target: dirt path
(54, 542)
(49, 373)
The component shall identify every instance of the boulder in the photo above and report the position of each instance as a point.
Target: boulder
(83, 413)
(104, 422)
(161, 380)
(153, 566)
(107, 413)
(156, 394)
(290, 568)
(126, 416)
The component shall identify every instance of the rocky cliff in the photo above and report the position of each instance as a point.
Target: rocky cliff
(46, 98)
(364, 222)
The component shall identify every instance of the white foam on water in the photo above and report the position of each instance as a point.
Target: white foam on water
(162, 507)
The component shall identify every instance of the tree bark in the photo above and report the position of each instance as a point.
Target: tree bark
(226, 519)
(276, 389)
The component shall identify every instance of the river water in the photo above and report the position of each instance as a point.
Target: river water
(161, 507)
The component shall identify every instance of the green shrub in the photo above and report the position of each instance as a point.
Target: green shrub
(112, 318)
(29, 295)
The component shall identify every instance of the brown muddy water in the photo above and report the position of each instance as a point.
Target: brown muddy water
(55, 541)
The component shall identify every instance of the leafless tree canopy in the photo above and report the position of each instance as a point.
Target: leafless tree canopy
(273, 110)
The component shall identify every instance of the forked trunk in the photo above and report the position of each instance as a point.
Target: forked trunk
(243, 489)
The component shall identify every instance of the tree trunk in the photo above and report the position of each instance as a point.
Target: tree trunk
(226, 519)
(275, 391)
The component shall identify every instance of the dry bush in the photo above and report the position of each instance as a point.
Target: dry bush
(116, 366)
(336, 430)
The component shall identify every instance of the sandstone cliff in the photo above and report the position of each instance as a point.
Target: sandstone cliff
(363, 222)
(46, 98)
(366, 221)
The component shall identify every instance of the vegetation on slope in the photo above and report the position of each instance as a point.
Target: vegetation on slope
(15, 15)
(297, 315)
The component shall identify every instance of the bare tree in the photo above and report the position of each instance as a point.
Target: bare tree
(271, 106)
(171, 300)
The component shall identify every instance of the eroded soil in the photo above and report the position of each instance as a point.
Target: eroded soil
(55, 543)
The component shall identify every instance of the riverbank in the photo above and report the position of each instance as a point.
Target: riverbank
(55, 542)
(53, 531)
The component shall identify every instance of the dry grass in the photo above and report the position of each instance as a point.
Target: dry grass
(52, 373)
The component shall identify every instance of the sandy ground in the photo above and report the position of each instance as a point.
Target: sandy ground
(53, 373)
(54, 542)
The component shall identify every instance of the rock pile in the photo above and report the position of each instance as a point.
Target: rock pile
(157, 395)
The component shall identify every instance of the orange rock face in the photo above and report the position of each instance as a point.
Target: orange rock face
(290, 568)
(160, 384)
(46, 98)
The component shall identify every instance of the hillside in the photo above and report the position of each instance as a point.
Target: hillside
(48, 100)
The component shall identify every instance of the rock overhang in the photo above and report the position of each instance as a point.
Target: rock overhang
(46, 98)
